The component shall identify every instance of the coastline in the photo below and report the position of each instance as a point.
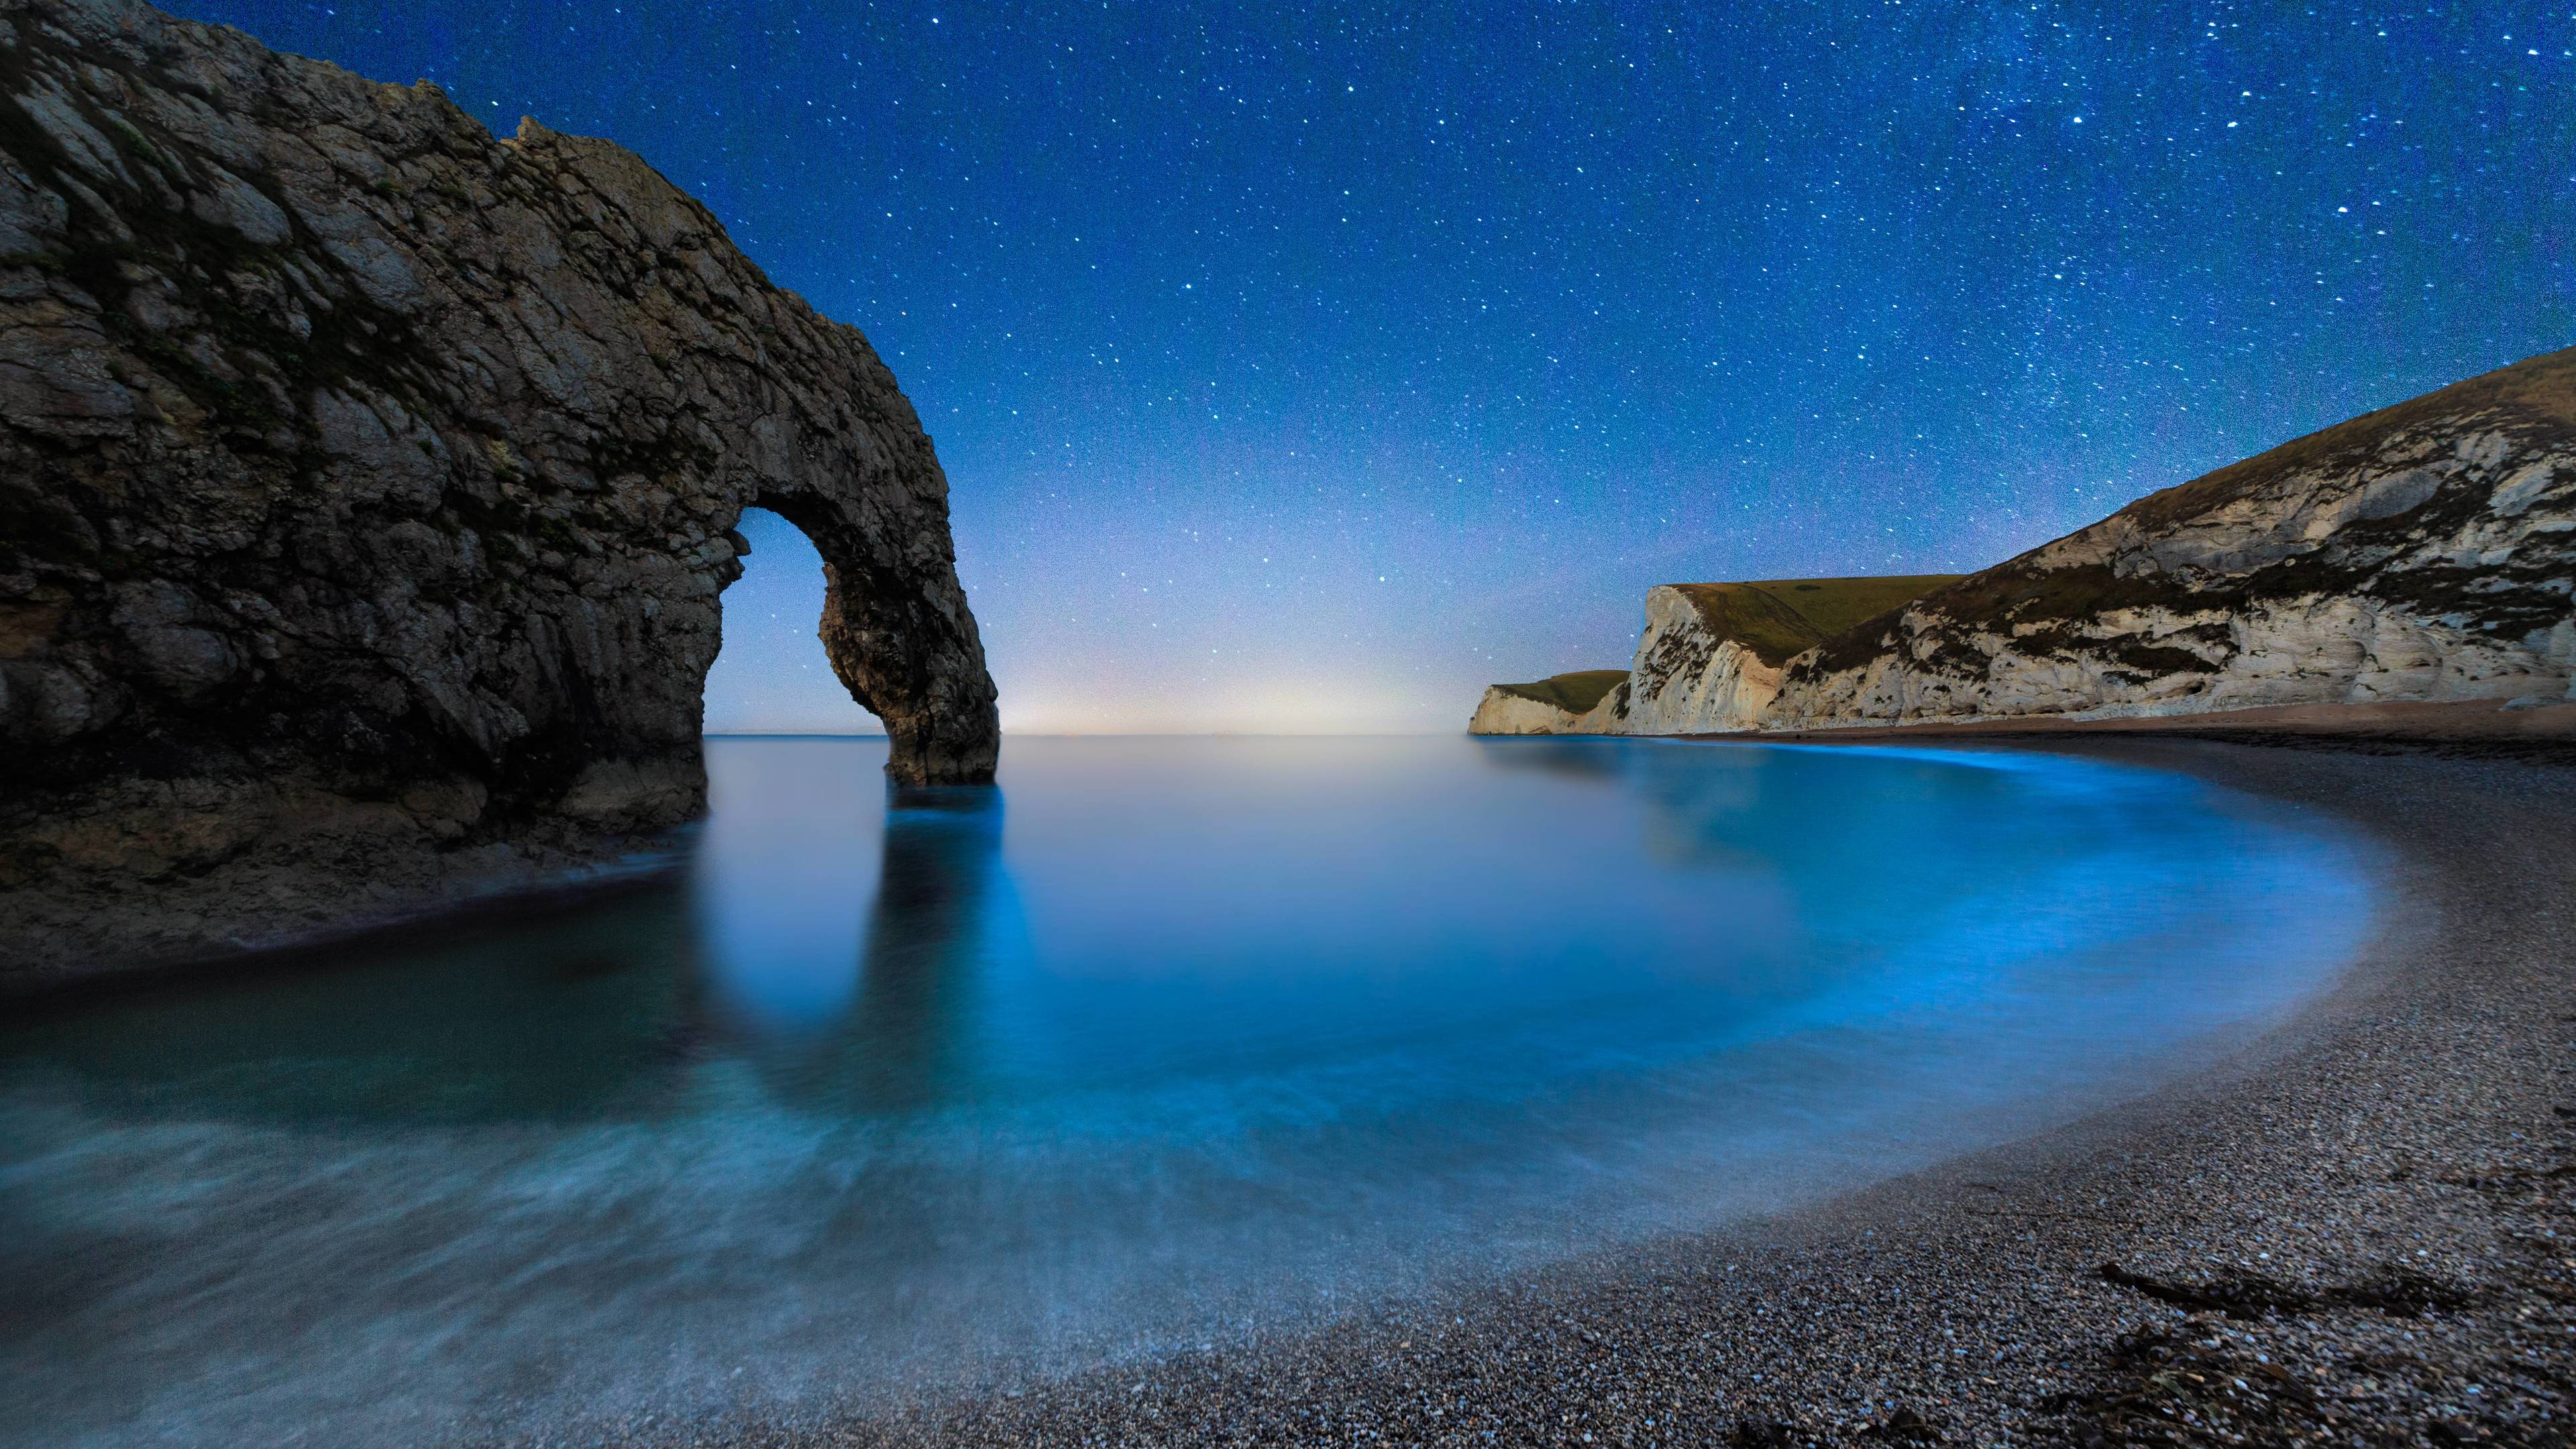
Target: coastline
(2352, 1228)
(2466, 729)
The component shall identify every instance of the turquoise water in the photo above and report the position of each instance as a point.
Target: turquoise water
(1161, 1041)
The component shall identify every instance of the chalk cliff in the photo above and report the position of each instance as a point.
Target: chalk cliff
(2426, 551)
(1587, 702)
(1712, 655)
(366, 488)
(1709, 661)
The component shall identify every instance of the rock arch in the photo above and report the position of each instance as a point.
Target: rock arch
(367, 485)
(940, 720)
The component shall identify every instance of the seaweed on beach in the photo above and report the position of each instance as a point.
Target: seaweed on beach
(2397, 1291)
(2170, 1390)
(1904, 1425)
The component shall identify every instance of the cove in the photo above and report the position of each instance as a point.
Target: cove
(1159, 1042)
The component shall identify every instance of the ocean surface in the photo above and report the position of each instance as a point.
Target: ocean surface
(1160, 1042)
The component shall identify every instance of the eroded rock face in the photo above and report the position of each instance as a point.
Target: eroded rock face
(1710, 659)
(2423, 552)
(1692, 676)
(1504, 712)
(367, 485)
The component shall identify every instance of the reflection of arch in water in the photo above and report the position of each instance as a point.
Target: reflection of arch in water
(905, 1039)
(926, 939)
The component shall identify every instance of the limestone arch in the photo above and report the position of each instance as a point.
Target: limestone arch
(893, 637)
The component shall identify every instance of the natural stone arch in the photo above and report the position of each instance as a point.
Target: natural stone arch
(367, 486)
(941, 724)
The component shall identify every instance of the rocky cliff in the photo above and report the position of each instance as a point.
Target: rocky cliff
(1710, 660)
(369, 484)
(2426, 551)
(1586, 702)
(1712, 655)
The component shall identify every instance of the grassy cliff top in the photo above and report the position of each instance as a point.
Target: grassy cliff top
(1778, 618)
(2537, 393)
(1574, 693)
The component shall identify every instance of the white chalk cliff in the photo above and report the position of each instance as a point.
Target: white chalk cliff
(2424, 552)
(1714, 656)
(1710, 661)
(1594, 702)
(1689, 677)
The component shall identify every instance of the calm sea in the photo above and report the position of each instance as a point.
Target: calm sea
(1159, 1042)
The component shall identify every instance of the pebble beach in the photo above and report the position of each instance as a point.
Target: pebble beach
(2355, 1230)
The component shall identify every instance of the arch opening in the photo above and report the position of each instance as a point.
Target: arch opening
(772, 674)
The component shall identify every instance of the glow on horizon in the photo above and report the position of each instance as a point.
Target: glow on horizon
(772, 677)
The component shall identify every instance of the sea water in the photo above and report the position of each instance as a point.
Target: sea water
(1156, 1044)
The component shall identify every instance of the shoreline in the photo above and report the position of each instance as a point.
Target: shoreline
(2466, 729)
(2353, 1226)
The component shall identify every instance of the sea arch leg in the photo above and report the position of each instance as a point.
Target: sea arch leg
(898, 632)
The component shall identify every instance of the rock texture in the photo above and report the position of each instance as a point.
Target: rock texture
(1710, 659)
(369, 484)
(2422, 553)
(1713, 655)
(1693, 675)
(2426, 551)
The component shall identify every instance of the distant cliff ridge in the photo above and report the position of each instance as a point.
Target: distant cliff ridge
(1710, 660)
(1712, 654)
(2424, 552)
(369, 485)
(1586, 702)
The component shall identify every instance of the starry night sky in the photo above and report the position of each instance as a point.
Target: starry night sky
(1309, 371)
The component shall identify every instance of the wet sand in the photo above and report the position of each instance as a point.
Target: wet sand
(2356, 1230)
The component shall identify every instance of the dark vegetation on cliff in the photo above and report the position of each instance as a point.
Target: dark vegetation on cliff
(1777, 619)
(367, 484)
(1574, 693)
